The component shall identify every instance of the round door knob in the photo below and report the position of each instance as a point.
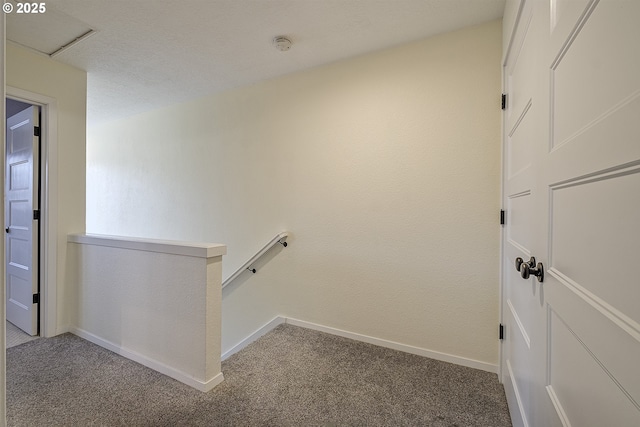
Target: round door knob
(519, 262)
(526, 271)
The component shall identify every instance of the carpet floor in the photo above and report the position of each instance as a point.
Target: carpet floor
(290, 377)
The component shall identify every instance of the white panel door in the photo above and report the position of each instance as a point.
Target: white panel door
(21, 199)
(572, 351)
(591, 176)
(520, 312)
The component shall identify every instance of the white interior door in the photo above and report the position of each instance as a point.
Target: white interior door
(591, 173)
(21, 200)
(520, 310)
(572, 347)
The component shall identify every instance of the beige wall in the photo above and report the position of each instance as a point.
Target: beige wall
(68, 86)
(384, 167)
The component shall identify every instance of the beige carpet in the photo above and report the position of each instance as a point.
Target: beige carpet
(290, 377)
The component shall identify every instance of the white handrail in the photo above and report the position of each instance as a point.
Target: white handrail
(280, 238)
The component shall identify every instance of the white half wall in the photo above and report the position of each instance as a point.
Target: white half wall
(384, 167)
(156, 302)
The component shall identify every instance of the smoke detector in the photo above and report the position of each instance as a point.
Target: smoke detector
(282, 43)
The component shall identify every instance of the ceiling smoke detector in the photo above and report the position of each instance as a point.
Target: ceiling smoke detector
(282, 43)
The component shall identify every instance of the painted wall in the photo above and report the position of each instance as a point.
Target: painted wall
(384, 167)
(39, 74)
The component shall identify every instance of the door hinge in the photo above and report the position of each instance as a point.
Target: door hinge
(36, 298)
(504, 101)
(36, 131)
(502, 215)
(36, 214)
(501, 332)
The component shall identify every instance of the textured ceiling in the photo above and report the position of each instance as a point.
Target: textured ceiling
(150, 53)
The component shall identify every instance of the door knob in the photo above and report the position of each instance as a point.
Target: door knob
(6, 229)
(520, 261)
(526, 270)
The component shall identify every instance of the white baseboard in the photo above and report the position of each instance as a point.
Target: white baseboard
(463, 361)
(149, 362)
(272, 324)
(471, 363)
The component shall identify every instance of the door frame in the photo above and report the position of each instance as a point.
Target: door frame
(48, 223)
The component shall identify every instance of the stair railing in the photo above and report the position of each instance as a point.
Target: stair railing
(281, 238)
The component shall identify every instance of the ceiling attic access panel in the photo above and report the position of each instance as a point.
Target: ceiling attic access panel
(43, 28)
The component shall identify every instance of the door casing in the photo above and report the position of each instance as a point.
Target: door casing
(49, 206)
